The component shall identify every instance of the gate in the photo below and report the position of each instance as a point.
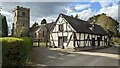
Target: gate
(37, 42)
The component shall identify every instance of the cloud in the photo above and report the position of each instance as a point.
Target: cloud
(6, 13)
(51, 10)
(81, 7)
(68, 10)
(85, 14)
(9, 17)
(110, 11)
(37, 9)
(103, 3)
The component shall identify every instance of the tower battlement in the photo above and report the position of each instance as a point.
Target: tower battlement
(21, 8)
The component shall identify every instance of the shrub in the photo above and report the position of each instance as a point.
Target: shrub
(16, 51)
(116, 41)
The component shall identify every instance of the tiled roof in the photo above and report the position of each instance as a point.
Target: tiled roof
(83, 26)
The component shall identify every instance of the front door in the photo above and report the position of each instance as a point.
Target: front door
(98, 39)
(60, 41)
(93, 41)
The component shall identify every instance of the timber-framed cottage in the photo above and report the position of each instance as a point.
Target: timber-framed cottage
(71, 32)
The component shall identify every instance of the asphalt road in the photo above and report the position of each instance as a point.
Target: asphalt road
(42, 56)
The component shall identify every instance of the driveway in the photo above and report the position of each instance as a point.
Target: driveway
(42, 56)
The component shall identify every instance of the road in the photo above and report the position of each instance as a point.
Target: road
(42, 56)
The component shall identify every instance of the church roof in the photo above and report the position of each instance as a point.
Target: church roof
(35, 28)
(49, 26)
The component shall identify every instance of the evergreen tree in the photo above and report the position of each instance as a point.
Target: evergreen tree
(43, 21)
(0, 25)
(4, 27)
(35, 24)
(76, 16)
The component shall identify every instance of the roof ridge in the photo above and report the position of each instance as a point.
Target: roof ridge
(73, 17)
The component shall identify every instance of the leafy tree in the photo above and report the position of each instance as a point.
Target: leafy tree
(108, 23)
(43, 21)
(4, 27)
(35, 24)
(71, 15)
(76, 16)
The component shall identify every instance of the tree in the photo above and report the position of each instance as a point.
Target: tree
(76, 16)
(35, 24)
(43, 21)
(4, 27)
(71, 15)
(0, 25)
(108, 23)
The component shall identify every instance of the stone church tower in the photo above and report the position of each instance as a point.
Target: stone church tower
(21, 21)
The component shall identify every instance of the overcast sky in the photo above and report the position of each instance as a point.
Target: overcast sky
(51, 10)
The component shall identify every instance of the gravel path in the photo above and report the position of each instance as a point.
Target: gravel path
(42, 56)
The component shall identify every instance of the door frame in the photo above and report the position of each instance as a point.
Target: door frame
(60, 41)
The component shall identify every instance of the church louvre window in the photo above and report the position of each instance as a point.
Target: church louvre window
(43, 34)
(23, 13)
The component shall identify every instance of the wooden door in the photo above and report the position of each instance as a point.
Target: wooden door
(93, 41)
(60, 41)
(98, 39)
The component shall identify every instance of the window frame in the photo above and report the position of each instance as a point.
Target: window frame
(65, 39)
(61, 27)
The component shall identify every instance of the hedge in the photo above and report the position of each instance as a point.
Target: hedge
(16, 51)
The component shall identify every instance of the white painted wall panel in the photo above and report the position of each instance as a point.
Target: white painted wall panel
(77, 36)
(70, 45)
(86, 35)
(65, 34)
(82, 36)
(56, 43)
(54, 35)
(82, 43)
(60, 34)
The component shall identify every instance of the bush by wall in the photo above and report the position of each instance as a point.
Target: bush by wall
(116, 41)
(16, 51)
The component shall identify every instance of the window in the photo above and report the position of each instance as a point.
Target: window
(64, 39)
(100, 37)
(35, 35)
(61, 27)
(43, 33)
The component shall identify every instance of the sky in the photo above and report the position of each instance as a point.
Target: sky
(51, 10)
